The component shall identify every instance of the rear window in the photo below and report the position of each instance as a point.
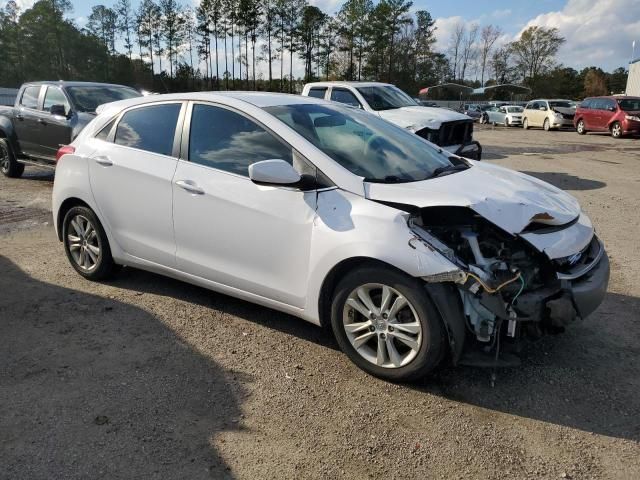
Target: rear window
(149, 128)
(318, 92)
(30, 97)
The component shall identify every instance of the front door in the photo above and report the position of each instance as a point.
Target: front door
(55, 129)
(230, 230)
(131, 175)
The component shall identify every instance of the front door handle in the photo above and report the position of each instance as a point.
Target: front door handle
(190, 186)
(42, 122)
(20, 117)
(103, 160)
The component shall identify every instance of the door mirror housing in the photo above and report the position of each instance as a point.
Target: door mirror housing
(544, 109)
(274, 173)
(58, 110)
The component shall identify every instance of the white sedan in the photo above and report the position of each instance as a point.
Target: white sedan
(328, 213)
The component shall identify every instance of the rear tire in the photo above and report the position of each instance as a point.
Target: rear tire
(393, 341)
(9, 166)
(580, 128)
(616, 130)
(86, 244)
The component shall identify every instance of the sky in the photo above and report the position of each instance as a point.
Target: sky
(598, 32)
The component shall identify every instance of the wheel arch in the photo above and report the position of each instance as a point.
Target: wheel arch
(67, 205)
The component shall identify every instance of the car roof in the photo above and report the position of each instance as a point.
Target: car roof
(258, 99)
(348, 84)
(64, 83)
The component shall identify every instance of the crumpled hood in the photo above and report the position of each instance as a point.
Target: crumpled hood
(508, 199)
(416, 118)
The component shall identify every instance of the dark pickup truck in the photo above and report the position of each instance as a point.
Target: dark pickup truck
(47, 115)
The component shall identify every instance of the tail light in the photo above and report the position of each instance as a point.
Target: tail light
(64, 150)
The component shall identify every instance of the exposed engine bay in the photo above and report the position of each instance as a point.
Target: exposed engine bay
(502, 279)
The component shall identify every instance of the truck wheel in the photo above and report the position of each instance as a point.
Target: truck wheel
(8, 164)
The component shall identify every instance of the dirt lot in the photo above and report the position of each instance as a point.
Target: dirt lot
(146, 377)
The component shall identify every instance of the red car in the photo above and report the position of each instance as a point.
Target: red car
(617, 115)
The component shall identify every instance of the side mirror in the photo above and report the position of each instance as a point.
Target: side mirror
(544, 109)
(58, 110)
(612, 109)
(273, 173)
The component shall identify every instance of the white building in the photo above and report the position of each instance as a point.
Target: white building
(633, 81)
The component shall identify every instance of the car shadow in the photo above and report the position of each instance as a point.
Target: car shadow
(143, 281)
(92, 387)
(38, 174)
(567, 181)
(586, 378)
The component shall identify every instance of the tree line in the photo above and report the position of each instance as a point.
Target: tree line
(163, 45)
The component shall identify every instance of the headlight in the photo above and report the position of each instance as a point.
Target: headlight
(635, 118)
(557, 115)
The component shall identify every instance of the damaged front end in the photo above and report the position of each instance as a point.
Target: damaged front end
(511, 285)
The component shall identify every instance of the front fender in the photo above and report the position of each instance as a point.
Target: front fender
(348, 226)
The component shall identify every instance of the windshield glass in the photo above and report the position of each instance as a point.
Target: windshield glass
(630, 104)
(561, 104)
(386, 97)
(514, 109)
(87, 98)
(363, 143)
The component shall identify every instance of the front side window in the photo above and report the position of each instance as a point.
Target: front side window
(318, 92)
(560, 104)
(344, 96)
(228, 141)
(363, 143)
(386, 97)
(87, 98)
(630, 104)
(54, 96)
(149, 128)
(30, 97)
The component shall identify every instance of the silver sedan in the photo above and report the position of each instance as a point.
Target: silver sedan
(506, 115)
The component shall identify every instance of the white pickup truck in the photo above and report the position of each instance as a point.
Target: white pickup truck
(450, 130)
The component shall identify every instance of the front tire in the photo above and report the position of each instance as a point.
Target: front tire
(86, 244)
(525, 124)
(9, 166)
(546, 125)
(385, 323)
(616, 130)
(581, 128)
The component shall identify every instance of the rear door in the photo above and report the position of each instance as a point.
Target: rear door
(318, 92)
(228, 229)
(25, 120)
(55, 130)
(131, 173)
(345, 96)
(598, 114)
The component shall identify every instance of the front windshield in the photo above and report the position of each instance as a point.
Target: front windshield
(386, 97)
(363, 143)
(630, 104)
(515, 109)
(87, 98)
(561, 104)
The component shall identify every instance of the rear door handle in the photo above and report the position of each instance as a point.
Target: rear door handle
(190, 186)
(42, 122)
(20, 117)
(103, 160)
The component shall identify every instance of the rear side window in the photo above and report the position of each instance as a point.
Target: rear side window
(149, 128)
(318, 92)
(228, 141)
(586, 105)
(344, 96)
(104, 133)
(30, 97)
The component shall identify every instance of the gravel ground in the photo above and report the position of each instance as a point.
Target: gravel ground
(147, 377)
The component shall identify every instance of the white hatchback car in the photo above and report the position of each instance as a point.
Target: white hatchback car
(331, 214)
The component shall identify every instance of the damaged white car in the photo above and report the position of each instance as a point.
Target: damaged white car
(411, 254)
(453, 131)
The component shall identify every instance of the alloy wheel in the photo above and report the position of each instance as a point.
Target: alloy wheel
(5, 161)
(84, 244)
(580, 126)
(616, 130)
(382, 325)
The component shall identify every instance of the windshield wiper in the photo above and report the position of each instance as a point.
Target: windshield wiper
(388, 179)
(448, 169)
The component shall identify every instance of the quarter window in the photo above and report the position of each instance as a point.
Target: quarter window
(318, 92)
(149, 128)
(30, 97)
(228, 141)
(344, 96)
(54, 96)
(104, 133)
